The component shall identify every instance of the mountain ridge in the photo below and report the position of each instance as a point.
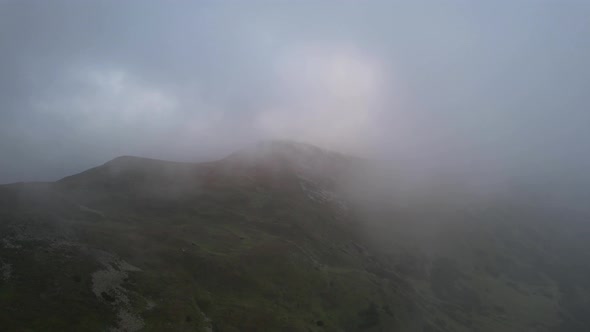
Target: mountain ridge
(269, 240)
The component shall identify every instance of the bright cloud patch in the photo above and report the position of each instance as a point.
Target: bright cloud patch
(329, 95)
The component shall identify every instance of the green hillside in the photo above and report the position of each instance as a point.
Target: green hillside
(267, 240)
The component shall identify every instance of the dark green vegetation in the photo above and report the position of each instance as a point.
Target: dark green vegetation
(262, 241)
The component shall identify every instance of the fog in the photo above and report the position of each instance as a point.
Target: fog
(486, 96)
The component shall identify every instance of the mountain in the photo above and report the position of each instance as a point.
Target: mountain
(274, 238)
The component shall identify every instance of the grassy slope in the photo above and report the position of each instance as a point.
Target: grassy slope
(245, 255)
(243, 248)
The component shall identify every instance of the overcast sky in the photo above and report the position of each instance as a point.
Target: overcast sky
(501, 87)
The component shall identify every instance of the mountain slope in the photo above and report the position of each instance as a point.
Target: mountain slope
(238, 244)
(268, 240)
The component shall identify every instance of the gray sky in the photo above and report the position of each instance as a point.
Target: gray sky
(494, 89)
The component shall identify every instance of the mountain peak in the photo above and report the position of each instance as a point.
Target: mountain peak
(286, 150)
(283, 144)
(292, 159)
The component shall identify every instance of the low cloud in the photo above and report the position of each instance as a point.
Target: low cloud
(330, 96)
(488, 91)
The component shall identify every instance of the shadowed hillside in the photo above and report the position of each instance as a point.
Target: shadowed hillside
(272, 239)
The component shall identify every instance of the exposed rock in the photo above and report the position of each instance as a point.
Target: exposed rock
(107, 285)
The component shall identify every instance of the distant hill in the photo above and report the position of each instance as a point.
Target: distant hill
(273, 238)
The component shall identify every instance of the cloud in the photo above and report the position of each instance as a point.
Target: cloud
(103, 99)
(331, 95)
(499, 86)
